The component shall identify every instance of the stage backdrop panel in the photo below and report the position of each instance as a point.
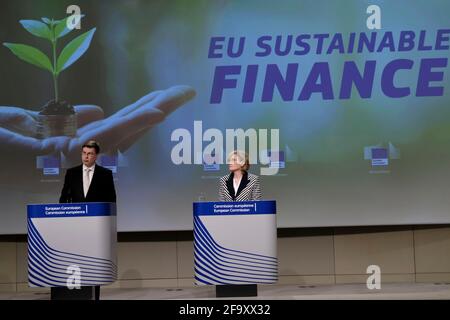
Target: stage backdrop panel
(356, 97)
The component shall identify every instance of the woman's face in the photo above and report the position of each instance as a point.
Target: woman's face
(234, 163)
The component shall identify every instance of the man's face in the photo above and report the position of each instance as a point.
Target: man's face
(88, 156)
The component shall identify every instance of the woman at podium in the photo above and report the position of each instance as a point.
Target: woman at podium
(239, 185)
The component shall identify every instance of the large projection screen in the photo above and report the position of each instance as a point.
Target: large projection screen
(353, 100)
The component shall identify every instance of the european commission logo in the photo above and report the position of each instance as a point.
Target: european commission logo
(50, 164)
(209, 162)
(380, 157)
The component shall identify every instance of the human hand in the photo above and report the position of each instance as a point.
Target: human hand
(117, 132)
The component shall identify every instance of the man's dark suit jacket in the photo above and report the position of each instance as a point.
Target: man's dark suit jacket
(101, 188)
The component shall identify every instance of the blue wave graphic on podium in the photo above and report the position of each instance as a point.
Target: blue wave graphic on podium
(47, 267)
(215, 264)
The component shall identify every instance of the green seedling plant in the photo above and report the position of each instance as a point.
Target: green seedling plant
(52, 30)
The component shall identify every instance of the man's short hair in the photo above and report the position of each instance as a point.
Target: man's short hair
(92, 144)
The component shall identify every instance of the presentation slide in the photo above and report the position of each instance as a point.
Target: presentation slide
(344, 110)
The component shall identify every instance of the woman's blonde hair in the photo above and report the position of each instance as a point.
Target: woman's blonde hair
(242, 157)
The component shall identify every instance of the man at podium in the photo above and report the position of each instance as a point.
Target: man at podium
(87, 182)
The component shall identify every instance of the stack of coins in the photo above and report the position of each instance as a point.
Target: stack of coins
(56, 125)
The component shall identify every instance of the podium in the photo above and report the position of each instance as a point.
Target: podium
(72, 245)
(235, 246)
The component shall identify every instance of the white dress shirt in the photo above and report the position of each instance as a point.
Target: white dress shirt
(88, 173)
(236, 185)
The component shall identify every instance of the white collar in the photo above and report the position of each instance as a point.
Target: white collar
(91, 168)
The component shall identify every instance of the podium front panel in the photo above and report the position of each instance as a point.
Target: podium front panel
(235, 243)
(72, 244)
